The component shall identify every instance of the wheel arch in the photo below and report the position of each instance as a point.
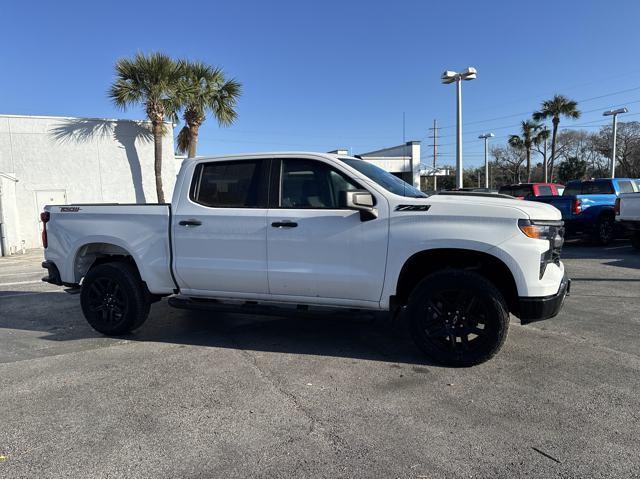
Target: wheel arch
(425, 262)
(94, 253)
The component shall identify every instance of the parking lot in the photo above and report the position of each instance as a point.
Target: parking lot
(190, 395)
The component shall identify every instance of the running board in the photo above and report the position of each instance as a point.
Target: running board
(252, 307)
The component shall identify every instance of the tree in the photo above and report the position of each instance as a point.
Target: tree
(208, 91)
(556, 108)
(153, 81)
(572, 168)
(532, 134)
(506, 165)
(627, 148)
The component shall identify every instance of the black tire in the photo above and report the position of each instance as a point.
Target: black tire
(635, 240)
(603, 234)
(458, 318)
(114, 299)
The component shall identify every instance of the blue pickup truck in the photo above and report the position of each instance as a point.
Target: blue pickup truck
(588, 207)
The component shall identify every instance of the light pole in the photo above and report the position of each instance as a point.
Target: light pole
(450, 77)
(486, 137)
(614, 114)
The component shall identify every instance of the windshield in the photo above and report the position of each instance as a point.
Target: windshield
(385, 179)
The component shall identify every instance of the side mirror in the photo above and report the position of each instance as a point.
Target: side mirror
(362, 201)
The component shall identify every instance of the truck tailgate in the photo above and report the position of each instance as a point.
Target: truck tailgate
(563, 203)
(141, 231)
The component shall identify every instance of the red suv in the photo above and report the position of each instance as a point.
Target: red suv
(524, 191)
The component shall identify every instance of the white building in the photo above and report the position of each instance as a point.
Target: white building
(403, 160)
(56, 160)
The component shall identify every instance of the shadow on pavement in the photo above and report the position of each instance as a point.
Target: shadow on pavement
(340, 335)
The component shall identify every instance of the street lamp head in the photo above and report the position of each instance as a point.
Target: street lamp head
(449, 77)
(615, 112)
(469, 74)
(486, 135)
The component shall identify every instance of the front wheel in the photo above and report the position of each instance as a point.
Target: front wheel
(114, 299)
(458, 318)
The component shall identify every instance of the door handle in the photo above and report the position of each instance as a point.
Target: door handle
(284, 224)
(190, 222)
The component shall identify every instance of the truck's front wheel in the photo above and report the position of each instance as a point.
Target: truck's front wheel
(458, 318)
(113, 298)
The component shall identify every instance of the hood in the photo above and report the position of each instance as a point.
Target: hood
(530, 209)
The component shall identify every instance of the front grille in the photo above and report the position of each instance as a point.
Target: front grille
(557, 242)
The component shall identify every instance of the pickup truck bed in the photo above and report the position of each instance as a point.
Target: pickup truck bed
(95, 230)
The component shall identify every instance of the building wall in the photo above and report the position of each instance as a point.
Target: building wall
(89, 160)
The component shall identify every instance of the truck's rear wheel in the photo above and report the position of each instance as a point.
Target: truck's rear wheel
(635, 239)
(458, 318)
(603, 234)
(113, 298)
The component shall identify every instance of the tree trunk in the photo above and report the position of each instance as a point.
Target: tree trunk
(157, 150)
(528, 165)
(553, 148)
(193, 140)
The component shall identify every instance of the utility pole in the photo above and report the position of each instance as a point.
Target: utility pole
(486, 137)
(435, 152)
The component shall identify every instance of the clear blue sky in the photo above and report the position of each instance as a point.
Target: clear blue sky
(319, 75)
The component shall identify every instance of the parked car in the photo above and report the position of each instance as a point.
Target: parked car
(628, 213)
(525, 191)
(588, 207)
(309, 230)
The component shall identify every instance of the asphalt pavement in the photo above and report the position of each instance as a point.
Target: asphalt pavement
(195, 395)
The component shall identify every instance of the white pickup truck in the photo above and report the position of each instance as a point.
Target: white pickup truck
(628, 213)
(314, 230)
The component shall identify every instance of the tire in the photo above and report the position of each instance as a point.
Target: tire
(635, 240)
(458, 318)
(113, 298)
(603, 234)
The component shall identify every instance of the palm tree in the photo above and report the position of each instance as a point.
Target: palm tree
(208, 91)
(555, 108)
(153, 81)
(532, 135)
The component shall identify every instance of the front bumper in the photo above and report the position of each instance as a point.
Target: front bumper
(535, 309)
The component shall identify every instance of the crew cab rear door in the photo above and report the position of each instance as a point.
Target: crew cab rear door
(315, 247)
(219, 229)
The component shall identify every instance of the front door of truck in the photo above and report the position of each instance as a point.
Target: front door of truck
(220, 229)
(316, 248)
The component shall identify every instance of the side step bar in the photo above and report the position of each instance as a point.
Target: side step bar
(252, 307)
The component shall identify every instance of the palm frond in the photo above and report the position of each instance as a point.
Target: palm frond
(183, 140)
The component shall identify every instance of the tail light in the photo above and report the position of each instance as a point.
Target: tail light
(44, 217)
(576, 207)
(617, 207)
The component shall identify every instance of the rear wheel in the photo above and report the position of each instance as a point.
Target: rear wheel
(114, 300)
(635, 239)
(603, 234)
(458, 318)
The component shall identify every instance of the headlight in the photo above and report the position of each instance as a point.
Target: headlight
(551, 231)
(545, 230)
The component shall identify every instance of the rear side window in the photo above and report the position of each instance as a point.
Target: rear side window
(227, 184)
(597, 188)
(544, 190)
(522, 191)
(625, 186)
(505, 190)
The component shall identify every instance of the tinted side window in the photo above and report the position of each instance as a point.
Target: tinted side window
(227, 184)
(312, 184)
(625, 186)
(505, 190)
(597, 188)
(544, 190)
(522, 191)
